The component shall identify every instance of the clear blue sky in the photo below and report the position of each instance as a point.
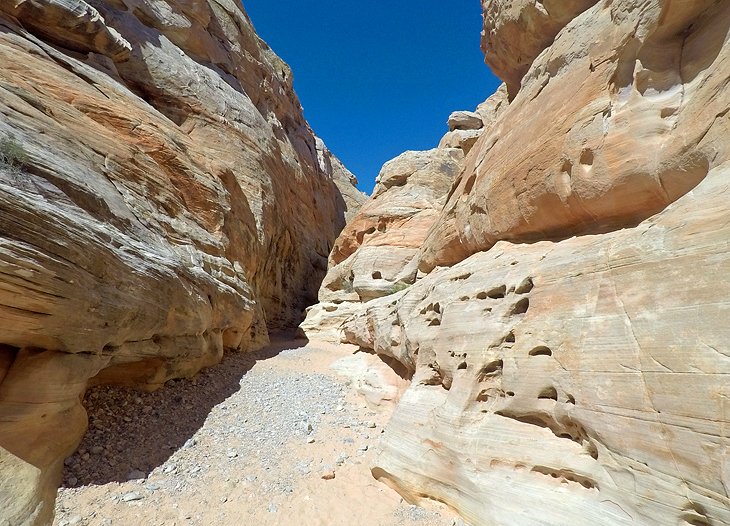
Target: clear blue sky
(377, 78)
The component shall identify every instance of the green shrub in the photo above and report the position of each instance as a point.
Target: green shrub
(398, 286)
(12, 153)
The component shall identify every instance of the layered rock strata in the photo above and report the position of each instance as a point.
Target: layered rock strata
(376, 253)
(565, 340)
(171, 202)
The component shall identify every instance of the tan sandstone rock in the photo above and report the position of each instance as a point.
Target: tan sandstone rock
(173, 203)
(570, 364)
(374, 255)
(624, 113)
(465, 127)
(517, 31)
(577, 382)
(465, 120)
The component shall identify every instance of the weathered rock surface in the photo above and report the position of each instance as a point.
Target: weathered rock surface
(517, 31)
(174, 203)
(465, 127)
(577, 382)
(618, 118)
(566, 341)
(374, 255)
(465, 120)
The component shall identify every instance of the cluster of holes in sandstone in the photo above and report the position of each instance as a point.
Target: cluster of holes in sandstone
(433, 313)
(566, 476)
(461, 358)
(432, 307)
(494, 294)
(493, 369)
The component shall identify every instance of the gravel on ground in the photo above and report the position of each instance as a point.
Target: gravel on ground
(267, 438)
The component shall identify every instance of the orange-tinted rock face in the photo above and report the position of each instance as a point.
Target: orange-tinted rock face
(377, 253)
(517, 31)
(565, 338)
(173, 202)
(374, 255)
(614, 121)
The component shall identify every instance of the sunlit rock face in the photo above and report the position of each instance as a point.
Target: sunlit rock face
(566, 336)
(172, 203)
(614, 121)
(377, 253)
(374, 255)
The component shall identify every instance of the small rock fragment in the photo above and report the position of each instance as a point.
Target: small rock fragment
(328, 474)
(132, 496)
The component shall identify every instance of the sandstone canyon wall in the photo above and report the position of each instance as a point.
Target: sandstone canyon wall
(172, 203)
(376, 254)
(564, 322)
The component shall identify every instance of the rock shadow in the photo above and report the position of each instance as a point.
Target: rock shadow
(132, 432)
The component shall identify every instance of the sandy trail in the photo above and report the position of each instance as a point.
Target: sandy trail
(246, 442)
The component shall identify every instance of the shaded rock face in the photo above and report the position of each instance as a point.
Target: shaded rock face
(172, 203)
(565, 338)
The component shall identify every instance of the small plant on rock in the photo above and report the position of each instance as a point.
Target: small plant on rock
(12, 153)
(399, 286)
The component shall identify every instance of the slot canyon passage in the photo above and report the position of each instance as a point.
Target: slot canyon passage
(526, 325)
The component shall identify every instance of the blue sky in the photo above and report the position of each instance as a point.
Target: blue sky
(377, 78)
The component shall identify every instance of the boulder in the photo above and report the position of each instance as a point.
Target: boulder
(465, 120)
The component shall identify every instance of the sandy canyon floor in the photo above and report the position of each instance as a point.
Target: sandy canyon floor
(275, 437)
